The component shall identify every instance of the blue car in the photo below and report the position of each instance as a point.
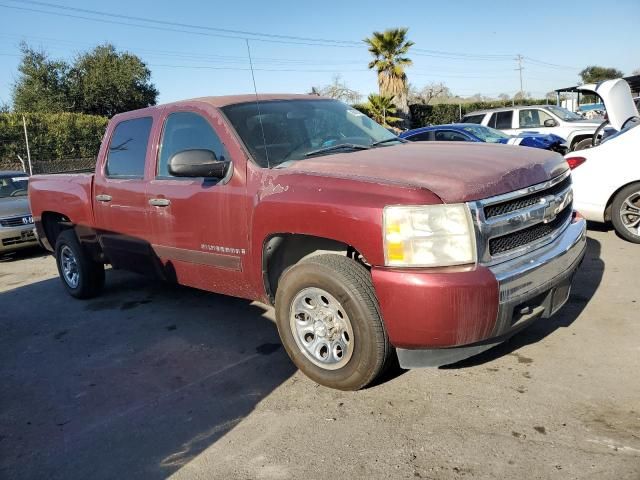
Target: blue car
(470, 132)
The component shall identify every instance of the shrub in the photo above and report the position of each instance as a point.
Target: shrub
(52, 137)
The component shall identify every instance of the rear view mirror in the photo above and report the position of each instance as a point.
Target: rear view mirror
(197, 163)
(550, 122)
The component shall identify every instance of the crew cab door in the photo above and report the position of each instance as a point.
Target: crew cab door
(120, 202)
(198, 225)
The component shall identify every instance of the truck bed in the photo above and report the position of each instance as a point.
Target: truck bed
(71, 194)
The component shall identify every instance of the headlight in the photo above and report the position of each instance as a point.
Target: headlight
(428, 236)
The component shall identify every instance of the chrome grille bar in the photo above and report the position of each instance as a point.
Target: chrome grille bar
(544, 206)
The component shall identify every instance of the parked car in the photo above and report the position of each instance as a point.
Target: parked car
(467, 132)
(368, 245)
(16, 223)
(548, 119)
(607, 176)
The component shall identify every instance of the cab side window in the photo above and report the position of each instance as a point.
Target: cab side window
(128, 148)
(501, 120)
(187, 131)
(533, 118)
(473, 118)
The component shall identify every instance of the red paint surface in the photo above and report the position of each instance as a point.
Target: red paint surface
(339, 197)
(427, 309)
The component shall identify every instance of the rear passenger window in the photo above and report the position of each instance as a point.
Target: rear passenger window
(187, 131)
(473, 118)
(128, 148)
(421, 137)
(501, 120)
(450, 136)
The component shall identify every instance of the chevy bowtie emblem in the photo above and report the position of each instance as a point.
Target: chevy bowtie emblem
(552, 204)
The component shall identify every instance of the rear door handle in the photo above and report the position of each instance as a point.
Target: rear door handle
(103, 198)
(159, 202)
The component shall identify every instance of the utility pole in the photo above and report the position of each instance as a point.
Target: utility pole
(519, 59)
(26, 139)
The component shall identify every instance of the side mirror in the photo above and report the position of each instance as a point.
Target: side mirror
(197, 163)
(550, 122)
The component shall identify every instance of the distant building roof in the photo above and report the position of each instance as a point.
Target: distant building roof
(633, 81)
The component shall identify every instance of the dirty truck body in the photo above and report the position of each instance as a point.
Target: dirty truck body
(433, 251)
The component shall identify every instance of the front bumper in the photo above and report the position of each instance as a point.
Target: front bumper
(439, 317)
(14, 238)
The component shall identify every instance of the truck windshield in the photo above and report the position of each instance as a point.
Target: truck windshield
(287, 130)
(14, 186)
(564, 114)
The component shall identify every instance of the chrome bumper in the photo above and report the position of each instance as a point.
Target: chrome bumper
(532, 286)
(537, 284)
(14, 238)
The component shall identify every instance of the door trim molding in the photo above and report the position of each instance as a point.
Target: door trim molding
(229, 262)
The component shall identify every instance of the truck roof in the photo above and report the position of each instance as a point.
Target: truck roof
(504, 109)
(225, 100)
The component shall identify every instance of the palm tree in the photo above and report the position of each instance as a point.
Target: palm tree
(381, 109)
(389, 49)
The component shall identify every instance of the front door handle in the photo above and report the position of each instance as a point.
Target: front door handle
(103, 198)
(159, 202)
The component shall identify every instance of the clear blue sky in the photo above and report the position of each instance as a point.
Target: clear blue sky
(568, 34)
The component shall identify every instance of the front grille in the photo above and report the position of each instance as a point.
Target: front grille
(514, 240)
(526, 201)
(15, 221)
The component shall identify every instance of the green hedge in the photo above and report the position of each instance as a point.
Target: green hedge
(52, 136)
(424, 115)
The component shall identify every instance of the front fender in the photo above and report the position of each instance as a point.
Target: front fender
(344, 210)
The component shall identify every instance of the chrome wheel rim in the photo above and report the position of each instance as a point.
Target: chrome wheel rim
(630, 213)
(69, 267)
(321, 328)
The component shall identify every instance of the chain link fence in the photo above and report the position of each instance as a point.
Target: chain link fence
(66, 165)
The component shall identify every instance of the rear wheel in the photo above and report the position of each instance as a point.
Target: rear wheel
(329, 322)
(80, 274)
(625, 213)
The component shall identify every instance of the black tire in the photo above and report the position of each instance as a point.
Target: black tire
(350, 284)
(90, 273)
(616, 209)
(581, 145)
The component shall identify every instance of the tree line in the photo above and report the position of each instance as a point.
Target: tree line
(101, 82)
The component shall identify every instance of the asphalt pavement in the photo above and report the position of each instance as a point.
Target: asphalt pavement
(151, 380)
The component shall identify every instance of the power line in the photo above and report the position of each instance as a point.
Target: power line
(184, 25)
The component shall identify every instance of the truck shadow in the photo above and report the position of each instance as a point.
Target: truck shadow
(586, 282)
(133, 384)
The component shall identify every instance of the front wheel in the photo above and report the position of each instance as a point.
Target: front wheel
(582, 144)
(329, 322)
(625, 213)
(80, 274)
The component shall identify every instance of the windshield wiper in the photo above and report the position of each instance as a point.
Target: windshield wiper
(350, 146)
(387, 140)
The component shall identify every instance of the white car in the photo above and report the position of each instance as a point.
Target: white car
(606, 178)
(577, 131)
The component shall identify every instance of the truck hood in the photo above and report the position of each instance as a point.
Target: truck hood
(14, 206)
(454, 171)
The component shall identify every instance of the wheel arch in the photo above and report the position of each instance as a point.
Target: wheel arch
(52, 225)
(607, 208)
(282, 250)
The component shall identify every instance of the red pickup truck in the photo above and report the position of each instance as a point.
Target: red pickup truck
(368, 246)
